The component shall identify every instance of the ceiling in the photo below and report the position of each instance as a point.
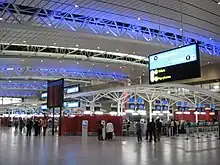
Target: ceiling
(135, 27)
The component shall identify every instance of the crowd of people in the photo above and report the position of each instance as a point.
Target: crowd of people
(153, 130)
(31, 124)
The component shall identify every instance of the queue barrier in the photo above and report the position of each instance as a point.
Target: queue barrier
(205, 131)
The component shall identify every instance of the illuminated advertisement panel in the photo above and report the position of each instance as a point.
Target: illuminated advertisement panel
(176, 64)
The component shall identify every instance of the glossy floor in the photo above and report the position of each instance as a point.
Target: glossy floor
(16, 149)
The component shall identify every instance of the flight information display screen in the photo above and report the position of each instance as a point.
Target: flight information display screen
(175, 64)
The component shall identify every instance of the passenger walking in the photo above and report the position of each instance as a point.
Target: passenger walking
(44, 125)
(138, 131)
(16, 124)
(21, 125)
(158, 129)
(100, 127)
(39, 126)
(29, 126)
(109, 130)
(147, 129)
(36, 128)
(152, 130)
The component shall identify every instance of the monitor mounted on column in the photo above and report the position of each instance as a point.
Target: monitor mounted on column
(175, 64)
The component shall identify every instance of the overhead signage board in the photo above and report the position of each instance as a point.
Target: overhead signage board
(55, 93)
(43, 95)
(176, 64)
(75, 104)
(73, 89)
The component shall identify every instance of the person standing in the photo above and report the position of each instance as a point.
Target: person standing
(152, 130)
(44, 125)
(29, 126)
(100, 127)
(36, 128)
(147, 129)
(138, 131)
(109, 130)
(21, 125)
(158, 129)
(39, 126)
(16, 124)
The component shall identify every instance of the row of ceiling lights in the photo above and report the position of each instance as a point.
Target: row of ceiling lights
(79, 63)
(78, 46)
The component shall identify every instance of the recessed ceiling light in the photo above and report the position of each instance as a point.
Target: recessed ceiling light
(41, 60)
(77, 45)
(76, 6)
(139, 19)
(24, 41)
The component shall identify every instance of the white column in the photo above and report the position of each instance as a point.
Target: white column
(197, 119)
(150, 110)
(92, 110)
(119, 107)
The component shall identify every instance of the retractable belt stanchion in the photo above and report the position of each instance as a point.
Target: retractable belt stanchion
(216, 131)
(219, 130)
(207, 133)
(203, 131)
(192, 129)
(187, 133)
(172, 133)
(197, 131)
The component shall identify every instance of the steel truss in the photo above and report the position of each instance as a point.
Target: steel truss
(75, 22)
(38, 51)
(23, 86)
(18, 93)
(51, 73)
(150, 93)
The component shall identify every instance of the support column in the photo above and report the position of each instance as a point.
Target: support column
(92, 110)
(150, 110)
(197, 118)
(119, 107)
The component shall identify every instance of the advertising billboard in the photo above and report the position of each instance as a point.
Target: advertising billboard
(175, 64)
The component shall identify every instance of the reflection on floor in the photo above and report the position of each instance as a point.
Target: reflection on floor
(16, 149)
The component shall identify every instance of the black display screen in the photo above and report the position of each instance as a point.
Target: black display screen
(176, 64)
